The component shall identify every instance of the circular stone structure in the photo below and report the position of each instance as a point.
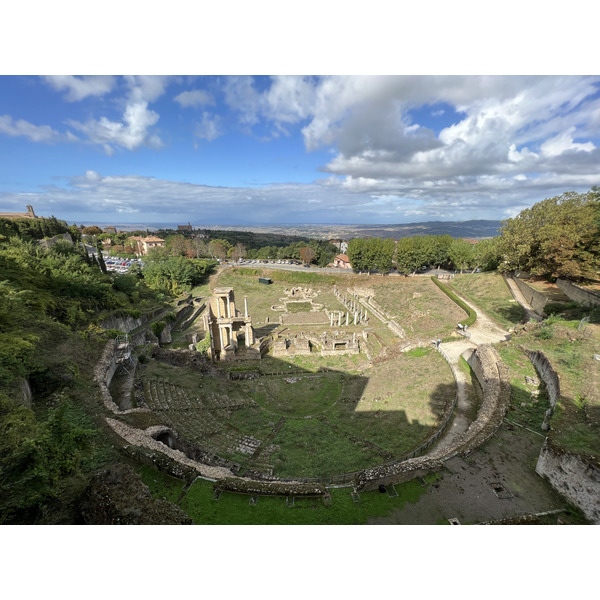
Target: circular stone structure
(287, 419)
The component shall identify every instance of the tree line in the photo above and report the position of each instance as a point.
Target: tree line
(411, 254)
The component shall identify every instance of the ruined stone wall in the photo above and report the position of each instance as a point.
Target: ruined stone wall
(493, 378)
(547, 372)
(124, 323)
(536, 299)
(397, 329)
(104, 372)
(492, 375)
(189, 320)
(574, 478)
(578, 294)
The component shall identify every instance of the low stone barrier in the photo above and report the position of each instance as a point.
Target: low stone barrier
(578, 294)
(241, 485)
(536, 299)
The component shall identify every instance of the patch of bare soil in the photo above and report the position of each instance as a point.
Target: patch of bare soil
(497, 482)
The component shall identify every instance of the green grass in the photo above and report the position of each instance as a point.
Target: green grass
(298, 395)
(524, 408)
(296, 307)
(490, 292)
(235, 509)
(473, 389)
(472, 314)
(310, 448)
(574, 425)
(418, 352)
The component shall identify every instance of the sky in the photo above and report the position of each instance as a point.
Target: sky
(245, 149)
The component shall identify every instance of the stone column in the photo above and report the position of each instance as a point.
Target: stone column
(218, 307)
(246, 306)
(228, 308)
(221, 337)
(330, 319)
(340, 319)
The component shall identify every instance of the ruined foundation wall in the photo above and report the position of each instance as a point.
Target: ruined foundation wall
(536, 299)
(492, 375)
(574, 477)
(578, 294)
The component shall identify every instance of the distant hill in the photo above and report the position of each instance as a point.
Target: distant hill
(457, 229)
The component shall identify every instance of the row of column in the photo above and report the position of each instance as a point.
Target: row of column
(355, 309)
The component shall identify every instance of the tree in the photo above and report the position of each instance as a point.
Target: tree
(93, 230)
(219, 248)
(558, 236)
(386, 256)
(178, 245)
(100, 259)
(461, 254)
(307, 254)
(485, 255)
(239, 251)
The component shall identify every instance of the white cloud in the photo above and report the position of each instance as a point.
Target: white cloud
(563, 142)
(131, 133)
(36, 133)
(93, 196)
(78, 88)
(146, 88)
(209, 127)
(194, 98)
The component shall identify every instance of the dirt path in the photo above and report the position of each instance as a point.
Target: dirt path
(461, 420)
(483, 331)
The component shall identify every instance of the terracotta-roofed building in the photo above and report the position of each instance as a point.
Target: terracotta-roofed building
(341, 261)
(144, 244)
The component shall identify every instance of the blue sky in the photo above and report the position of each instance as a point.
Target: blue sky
(294, 149)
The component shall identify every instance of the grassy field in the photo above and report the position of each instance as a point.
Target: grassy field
(418, 306)
(201, 505)
(489, 292)
(575, 424)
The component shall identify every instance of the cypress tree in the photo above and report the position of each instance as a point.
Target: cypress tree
(101, 260)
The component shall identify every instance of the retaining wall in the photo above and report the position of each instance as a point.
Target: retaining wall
(574, 477)
(536, 299)
(578, 294)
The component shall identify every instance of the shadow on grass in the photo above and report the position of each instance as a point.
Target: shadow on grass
(286, 421)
